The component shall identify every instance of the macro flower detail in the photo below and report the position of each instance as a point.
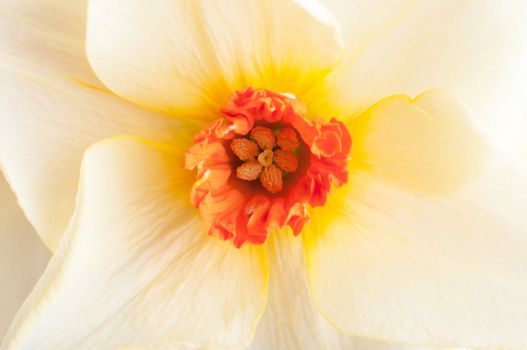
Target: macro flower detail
(268, 174)
(296, 167)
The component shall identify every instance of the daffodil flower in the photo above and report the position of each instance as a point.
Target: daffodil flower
(247, 174)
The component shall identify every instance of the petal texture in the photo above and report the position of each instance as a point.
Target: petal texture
(476, 49)
(401, 255)
(23, 257)
(291, 320)
(428, 145)
(52, 108)
(48, 34)
(134, 267)
(187, 57)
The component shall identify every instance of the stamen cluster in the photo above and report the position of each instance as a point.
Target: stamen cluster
(267, 156)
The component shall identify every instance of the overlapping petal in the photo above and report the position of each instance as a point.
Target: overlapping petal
(475, 49)
(430, 145)
(52, 108)
(23, 257)
(428, 243)
(134, 267)
(291, 320)
(187, 57)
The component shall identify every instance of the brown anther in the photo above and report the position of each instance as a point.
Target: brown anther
(266, 157)
(264, 137)
(249, 170)
(245, 149)
(286, 160)
(287, 139)
(271, 179)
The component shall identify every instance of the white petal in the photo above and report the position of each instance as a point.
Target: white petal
(187, 57)
(432, 251)
(23, 257)
(291, 320)
(51, 109)
(476, 49)
(45, 34)
(134, 267)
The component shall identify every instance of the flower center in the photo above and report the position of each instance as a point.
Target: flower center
(267, 155)
(264, 165)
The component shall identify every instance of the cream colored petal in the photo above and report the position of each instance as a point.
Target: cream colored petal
(428, 242)
(291, 320)
(134, 267)
(476, 49)
(45, 36)
(45, 126)
(176, 55)
(23, 257)
(430, 144)
(51, 109)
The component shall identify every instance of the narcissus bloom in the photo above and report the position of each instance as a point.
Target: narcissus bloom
(252, 175)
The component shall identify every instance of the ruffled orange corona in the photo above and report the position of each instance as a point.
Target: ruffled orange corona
(260, 167)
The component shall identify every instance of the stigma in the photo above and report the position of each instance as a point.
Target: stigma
(264, 166)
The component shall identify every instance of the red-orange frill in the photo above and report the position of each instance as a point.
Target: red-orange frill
(260, 166)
